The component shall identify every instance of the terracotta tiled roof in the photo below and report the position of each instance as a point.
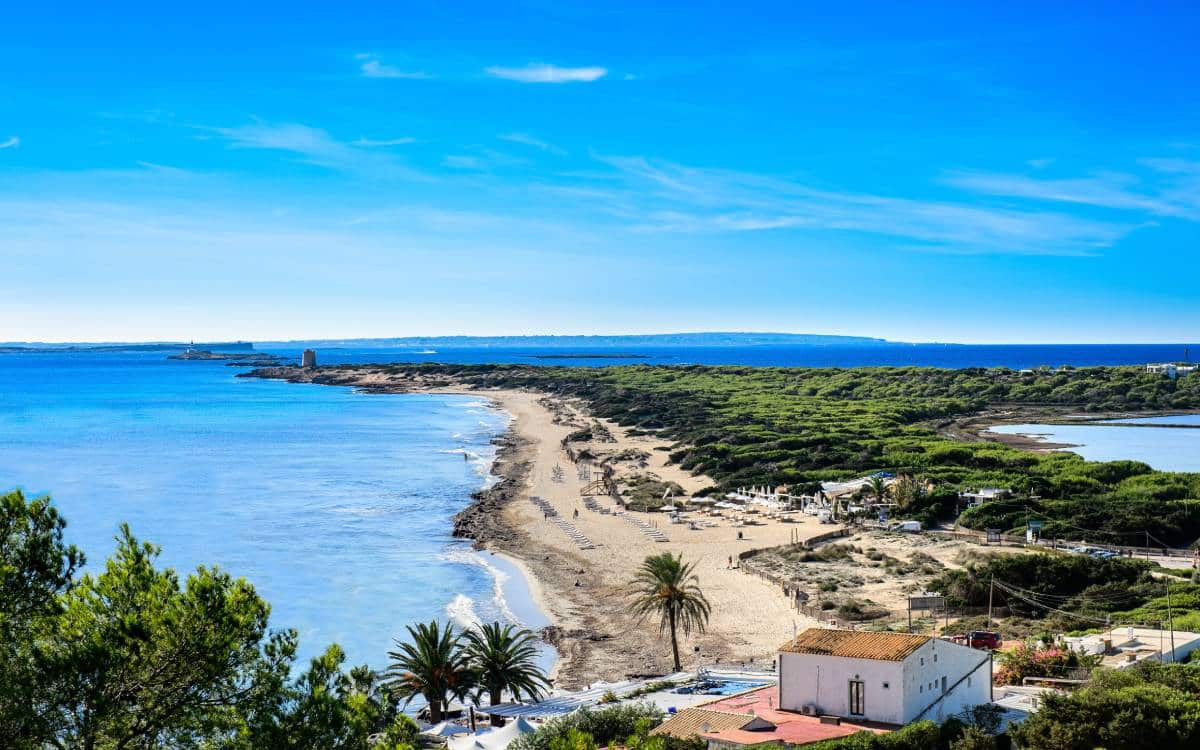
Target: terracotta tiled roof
(854, 644)
(693, 721)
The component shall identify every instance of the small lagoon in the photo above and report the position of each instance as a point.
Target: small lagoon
(1152, 440)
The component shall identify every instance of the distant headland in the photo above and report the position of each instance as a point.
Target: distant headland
(117, 346)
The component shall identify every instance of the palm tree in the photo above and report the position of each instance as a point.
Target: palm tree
(668, 587)
(878, 487)
(504, 658)
(433, 664)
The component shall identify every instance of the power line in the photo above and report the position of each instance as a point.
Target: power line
(1016, 592)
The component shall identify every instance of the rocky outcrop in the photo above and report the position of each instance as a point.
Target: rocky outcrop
(482, 520)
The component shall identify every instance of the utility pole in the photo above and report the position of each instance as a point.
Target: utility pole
(1170, 619)
(991, 592)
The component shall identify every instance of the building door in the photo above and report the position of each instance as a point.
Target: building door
(856, 698)
(943, 684)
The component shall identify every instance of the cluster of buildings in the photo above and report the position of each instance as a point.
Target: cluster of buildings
(1171, 369)
(826, 684)
(833, 683)
(1126, 646)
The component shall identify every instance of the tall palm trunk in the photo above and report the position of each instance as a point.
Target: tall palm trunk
(494, 697)
(435, 711)
(674, 641)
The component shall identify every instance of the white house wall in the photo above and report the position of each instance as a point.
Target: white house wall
(911, 685)
(923, 672)
(824, 681)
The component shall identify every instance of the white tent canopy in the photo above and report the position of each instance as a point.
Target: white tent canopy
(497, 739)
(446, 729)
(464, 742)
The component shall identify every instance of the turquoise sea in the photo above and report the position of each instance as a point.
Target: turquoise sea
(336, 505)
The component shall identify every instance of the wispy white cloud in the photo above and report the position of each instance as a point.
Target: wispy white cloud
(676, 198)
(544, 73)
(527, 140)
(462, 161)
(372, 67)
(1175, 196)
(163, 168)
(316, 146)
(374, 143)
(11, 142)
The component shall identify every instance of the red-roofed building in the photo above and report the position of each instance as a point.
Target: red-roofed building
(833, 683)
(753, 718)
(894, 678)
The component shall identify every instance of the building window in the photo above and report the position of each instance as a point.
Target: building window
(935, 657)
(886, 686)
(968, 682)
(857, 690)
(922, 661)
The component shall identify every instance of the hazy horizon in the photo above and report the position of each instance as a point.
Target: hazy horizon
(859, 339)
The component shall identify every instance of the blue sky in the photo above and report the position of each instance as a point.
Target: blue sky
(955, 172)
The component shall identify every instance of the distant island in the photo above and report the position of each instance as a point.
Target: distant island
(155, 346)
(713, 339)
(248, 358)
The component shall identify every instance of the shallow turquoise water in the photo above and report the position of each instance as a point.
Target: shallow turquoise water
(336, 505)
(1164, 448)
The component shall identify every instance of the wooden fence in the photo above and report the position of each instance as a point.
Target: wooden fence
(800, 603)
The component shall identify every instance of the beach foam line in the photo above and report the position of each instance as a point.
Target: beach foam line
(461, 610)
(499, 579)
(481, 463)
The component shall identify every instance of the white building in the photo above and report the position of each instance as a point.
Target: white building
(983, 495)
(1171, 369)
(893, 678)
(1122, 647)
(1018, 702)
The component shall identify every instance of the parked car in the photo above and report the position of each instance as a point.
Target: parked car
(988, 639)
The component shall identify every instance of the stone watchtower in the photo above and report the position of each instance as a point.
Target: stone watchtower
(309, 358)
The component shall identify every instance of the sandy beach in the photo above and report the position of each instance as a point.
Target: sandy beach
(585, 591)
